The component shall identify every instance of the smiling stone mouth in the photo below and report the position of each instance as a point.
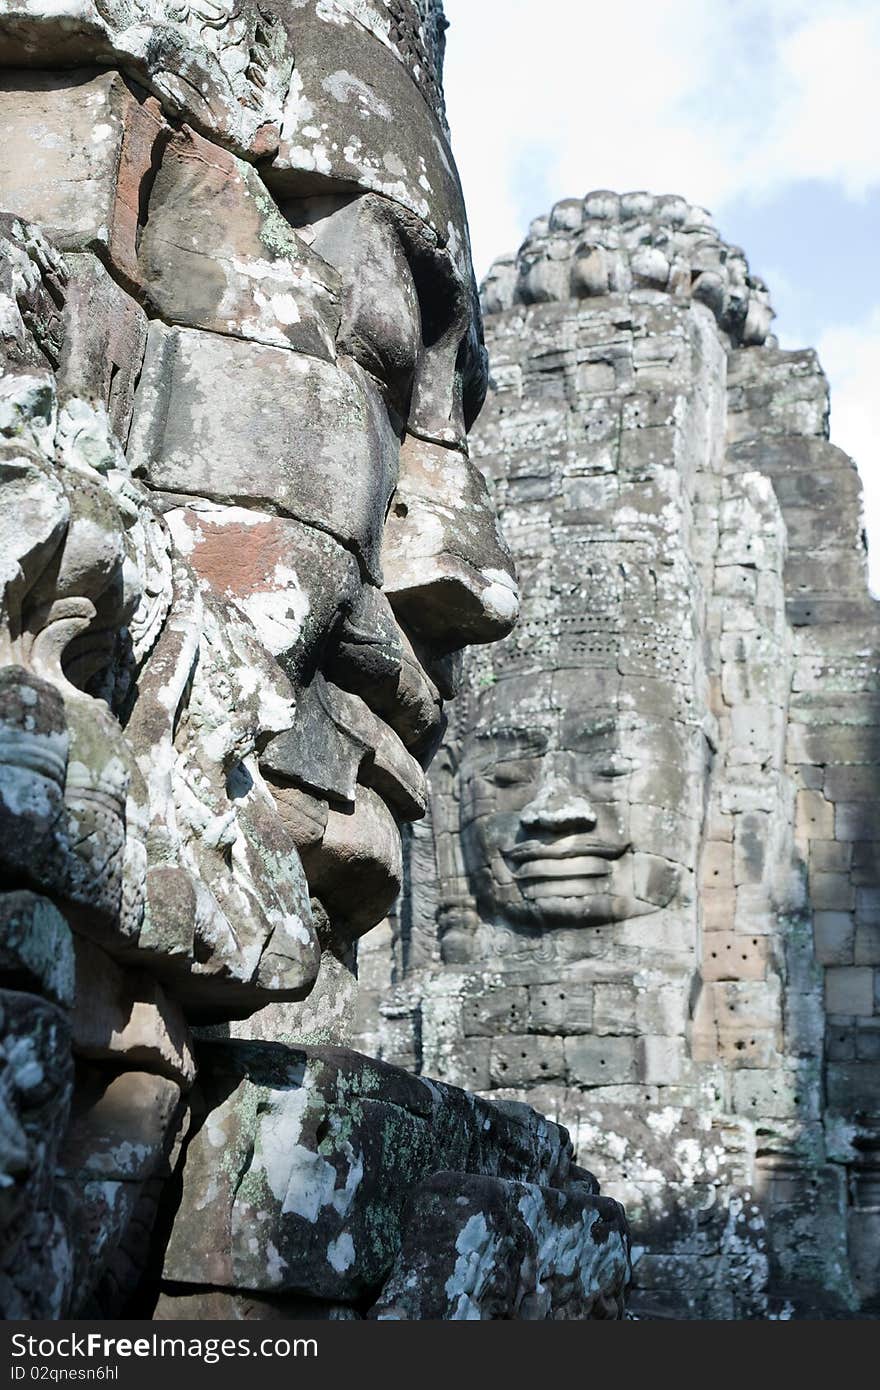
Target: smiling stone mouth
(566, 853)
(569, 859)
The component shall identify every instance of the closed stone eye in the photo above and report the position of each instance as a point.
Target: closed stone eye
(510, 774)
(619, 768)
(506, 778)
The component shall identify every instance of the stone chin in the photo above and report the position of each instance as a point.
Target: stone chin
(352, 856)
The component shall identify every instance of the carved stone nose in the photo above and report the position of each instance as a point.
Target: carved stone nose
(448, 572)
(558, 807)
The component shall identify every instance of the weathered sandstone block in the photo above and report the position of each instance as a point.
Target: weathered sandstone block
(476, 1248)
(320, 1150)
(84, 146)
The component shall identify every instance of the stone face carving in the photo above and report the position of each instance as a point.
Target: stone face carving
(551, 830)
(243, 547)
(642, 897)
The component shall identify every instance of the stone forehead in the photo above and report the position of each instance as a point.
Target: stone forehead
(616, 242)
(601, 721)
(645, 679)
(313, 89)
(365, 110)
(567, 736)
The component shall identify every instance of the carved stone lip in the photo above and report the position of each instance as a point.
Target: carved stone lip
(565, 847)
(570, 870)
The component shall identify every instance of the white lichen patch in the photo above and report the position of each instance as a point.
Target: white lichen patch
(475, 1264)
(340, 1252)
(500, 597)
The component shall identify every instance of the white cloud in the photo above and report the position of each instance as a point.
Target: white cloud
(550, 97)
(825, 124)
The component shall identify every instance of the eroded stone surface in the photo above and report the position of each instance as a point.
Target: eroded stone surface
(225, 67)
(84, 149)
(643, 899)
(320, 1149)
(477, 1248)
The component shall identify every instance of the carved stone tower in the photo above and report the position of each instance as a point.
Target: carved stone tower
(648, 897)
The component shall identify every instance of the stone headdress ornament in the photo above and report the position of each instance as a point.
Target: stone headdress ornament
(610, 243)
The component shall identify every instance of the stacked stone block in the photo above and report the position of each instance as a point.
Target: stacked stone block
(778, 422)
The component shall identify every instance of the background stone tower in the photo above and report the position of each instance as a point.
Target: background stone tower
(648, 895)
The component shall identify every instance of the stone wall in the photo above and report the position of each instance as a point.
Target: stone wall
(645, 899)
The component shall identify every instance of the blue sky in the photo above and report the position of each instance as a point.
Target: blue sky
(763, 111)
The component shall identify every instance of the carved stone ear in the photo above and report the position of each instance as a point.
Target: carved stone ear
(33, 523)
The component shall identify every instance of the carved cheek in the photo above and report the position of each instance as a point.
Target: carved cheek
(476, 802)
(328, 459)
(500, 831)
(290, 579)
(485, 833)
(614, 815)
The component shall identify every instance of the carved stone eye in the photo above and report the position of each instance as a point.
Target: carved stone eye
(511, 773)
(612, 768)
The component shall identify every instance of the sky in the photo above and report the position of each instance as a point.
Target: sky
(766, 112)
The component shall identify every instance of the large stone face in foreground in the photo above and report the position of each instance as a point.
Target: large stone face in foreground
(646, 900)
(242, 544)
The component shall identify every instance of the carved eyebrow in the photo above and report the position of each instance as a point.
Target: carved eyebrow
(600, 727)
(510, 733)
